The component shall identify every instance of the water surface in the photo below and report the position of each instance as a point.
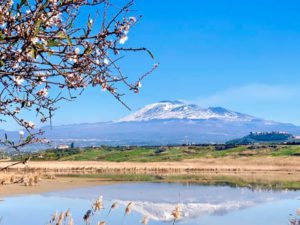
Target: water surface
(200, 205)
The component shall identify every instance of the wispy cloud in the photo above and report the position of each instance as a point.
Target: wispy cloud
(276, 102)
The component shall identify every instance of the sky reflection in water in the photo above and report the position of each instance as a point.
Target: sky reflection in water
(213, 205)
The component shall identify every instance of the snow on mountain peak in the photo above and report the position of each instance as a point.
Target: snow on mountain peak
(179, 110)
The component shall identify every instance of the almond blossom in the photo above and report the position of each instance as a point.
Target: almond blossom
(43, 92)
(77, 51)
(18, 80)
(106, 61)
(123, 39)
(43, 47)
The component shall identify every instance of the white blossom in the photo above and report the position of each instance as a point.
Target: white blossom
(34, 40)
(77, 51)
(133, 19)
(30, 124)
(18, 80)
(43, 92)
(106, 61)
(73, 58)
(139, 84)
(123, 39)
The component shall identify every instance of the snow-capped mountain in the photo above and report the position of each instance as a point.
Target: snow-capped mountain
(169, 122)
(166, 122)
(179, 110)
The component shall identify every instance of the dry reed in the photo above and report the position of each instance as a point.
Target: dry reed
(113, 206)
(145, 220)
(176, 214)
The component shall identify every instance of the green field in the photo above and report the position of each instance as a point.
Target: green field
(158, 154)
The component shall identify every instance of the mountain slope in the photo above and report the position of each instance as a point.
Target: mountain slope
(167, 122)
(162, 132)
(179, 110)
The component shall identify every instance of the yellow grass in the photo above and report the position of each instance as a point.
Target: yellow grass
(203, 165)
(267, 169)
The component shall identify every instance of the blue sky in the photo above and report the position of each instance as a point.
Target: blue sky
(242, 55)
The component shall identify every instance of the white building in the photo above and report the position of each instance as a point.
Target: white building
(63, 147)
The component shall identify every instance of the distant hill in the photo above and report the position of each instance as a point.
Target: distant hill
(166, 123)
(263, 137)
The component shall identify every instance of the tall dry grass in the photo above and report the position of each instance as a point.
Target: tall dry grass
(65, 218)
(257, 165)
(26, 179)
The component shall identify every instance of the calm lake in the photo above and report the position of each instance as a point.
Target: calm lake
(200, 205)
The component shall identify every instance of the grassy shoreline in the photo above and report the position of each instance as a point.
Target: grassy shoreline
(270, 169)
(73, 180)
(263, 167)
(195, 179)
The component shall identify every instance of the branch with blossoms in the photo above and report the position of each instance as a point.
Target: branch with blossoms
(46, 58)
